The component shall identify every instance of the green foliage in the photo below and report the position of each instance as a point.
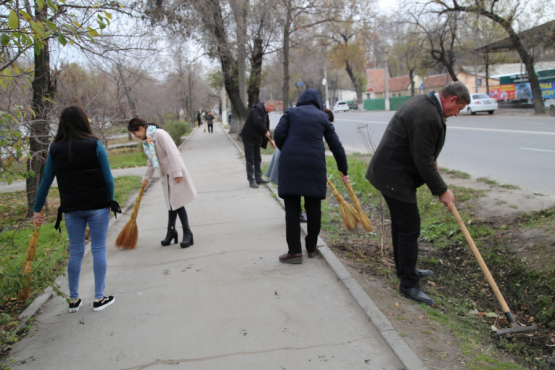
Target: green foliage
(455, 173)
(177, 129)
(137, 159)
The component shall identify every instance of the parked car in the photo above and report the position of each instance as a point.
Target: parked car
(550, 106)
(481, 103)
(341, 106)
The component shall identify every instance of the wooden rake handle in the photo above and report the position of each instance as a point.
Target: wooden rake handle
(480, 260)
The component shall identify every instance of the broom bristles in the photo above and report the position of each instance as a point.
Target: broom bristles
(129, 235)
(362, 218)
(348, 213)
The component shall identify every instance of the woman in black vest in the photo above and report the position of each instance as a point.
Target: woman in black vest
(80, 164)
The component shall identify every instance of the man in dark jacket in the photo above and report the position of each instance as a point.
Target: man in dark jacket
(407, 159)
(256, 134)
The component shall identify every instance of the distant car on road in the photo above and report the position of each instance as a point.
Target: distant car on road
(549, 105)
(341, 106)
(481, 103)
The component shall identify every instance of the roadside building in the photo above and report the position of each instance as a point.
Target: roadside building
(438, 82)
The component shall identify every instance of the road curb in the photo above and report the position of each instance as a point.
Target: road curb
(187, 138)
(401, 349)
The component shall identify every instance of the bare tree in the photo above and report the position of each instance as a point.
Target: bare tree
(506, 14)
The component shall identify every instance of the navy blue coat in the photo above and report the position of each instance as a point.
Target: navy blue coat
(299, 134)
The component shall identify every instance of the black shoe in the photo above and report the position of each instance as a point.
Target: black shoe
(312, 254)
(416, 294)
(253, 184)
(187, 238)
(103, 303)
(423, 273)
(172, 234)
(261, 181)
(74, 307)
(302, 217)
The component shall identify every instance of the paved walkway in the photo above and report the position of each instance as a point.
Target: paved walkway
(224, 303)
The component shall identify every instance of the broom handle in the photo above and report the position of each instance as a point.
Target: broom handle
(480, 260)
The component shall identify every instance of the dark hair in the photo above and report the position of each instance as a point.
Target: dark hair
(137, 122)
(456, 89)
(74, 124)
(330, 114)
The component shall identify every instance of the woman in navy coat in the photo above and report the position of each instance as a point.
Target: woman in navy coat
(302, 169)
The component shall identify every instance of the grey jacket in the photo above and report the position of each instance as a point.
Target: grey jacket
(406, 156)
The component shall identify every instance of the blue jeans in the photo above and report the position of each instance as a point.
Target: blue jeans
(76, 224)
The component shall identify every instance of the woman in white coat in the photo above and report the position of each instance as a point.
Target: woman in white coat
(178, 187)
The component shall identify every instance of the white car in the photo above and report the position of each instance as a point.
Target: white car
(341, 106)
(481, 103)
(549, 105)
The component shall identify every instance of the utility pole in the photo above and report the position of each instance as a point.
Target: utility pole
(476, 73)
(327, 105)
(224, 108)
(190, 107)
(386, 86)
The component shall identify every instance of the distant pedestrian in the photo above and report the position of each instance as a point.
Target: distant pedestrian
(86, 186)
(198, 118)
(302, 169)
(229, 116)
(210, 122)
(255, 135)
(177, 185)
(407, 159)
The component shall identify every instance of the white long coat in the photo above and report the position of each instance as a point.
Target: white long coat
(171, 166)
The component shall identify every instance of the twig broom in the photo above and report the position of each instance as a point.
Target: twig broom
(348, 213)
(362, 218)
(29, 258)
(129, 235)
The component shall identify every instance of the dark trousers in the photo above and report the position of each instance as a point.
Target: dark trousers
(182, 213)
(211, 128)
(312, 207)
(198, 121)
(405, 231)
(253, 159)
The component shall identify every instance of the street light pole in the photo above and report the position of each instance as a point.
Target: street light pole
(327, 105)
(386, 87)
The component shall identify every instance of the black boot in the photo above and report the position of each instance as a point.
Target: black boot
(187, 238)
(172, 234)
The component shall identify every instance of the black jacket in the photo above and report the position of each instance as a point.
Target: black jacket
(406, 156)
(256, 126)
(299, 134)
(80, 180)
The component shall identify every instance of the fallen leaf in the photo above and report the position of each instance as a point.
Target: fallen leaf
(396, 304)
(431, 283)
(491, 314)
(493, 328)
(473, 312)
(469, 222)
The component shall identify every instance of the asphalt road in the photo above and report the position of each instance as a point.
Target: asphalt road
(509, 148)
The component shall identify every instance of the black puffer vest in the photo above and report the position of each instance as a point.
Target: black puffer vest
(80, 180)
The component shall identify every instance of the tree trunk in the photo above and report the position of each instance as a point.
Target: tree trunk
(190, 107)
(39, 133)
(286, 34)
(212, 17)
(255, 78)
(126, 90)
(356, 83)
(240, 10)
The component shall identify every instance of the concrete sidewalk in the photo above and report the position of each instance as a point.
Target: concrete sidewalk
(224, 303)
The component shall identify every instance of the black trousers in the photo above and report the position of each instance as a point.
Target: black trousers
(253, 159)
(312, 207)
(198, 121)
(211, 127)
(405, 231)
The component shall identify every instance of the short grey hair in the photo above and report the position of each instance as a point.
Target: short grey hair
(457, 89)
(271, 102)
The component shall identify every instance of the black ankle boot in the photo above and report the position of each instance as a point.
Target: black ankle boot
(172, 234)
(187, 238)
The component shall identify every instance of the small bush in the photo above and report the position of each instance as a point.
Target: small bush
(176, 129)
